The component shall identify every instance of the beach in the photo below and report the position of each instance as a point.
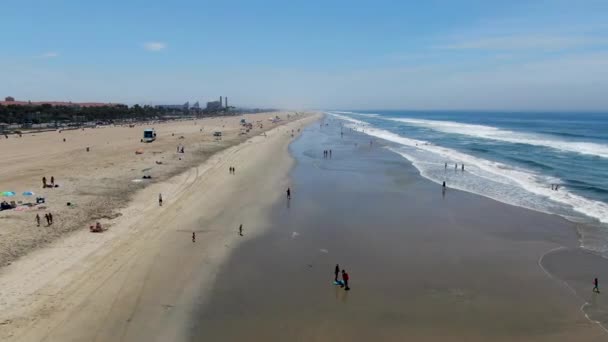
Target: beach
(71, 284)
(425, 264)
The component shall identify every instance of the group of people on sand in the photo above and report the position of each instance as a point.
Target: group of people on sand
(326, 154)
(48, 185)
(47, 216)
(554, 187)
(345, 278)
(232, 170)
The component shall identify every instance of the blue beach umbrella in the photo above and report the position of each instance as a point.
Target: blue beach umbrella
(8, 193)
(28, 193)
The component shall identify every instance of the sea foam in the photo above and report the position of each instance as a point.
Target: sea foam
(493, 133)
(499, 181)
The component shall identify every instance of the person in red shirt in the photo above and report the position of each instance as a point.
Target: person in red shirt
(345, 278)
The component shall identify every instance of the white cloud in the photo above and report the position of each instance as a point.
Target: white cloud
(154, 46)
(50, 54)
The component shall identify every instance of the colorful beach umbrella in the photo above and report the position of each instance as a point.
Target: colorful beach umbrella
(8, 193)
(28, 193)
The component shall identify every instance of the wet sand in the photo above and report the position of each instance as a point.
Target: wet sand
(424, 266)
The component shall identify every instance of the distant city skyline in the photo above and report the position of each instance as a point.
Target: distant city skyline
(478, 55)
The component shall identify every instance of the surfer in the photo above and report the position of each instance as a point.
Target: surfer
(443, 185)
(462, 167)
(336, 272)
(596, 288)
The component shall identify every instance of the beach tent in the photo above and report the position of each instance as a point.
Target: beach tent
(8, 194)
(28, 193)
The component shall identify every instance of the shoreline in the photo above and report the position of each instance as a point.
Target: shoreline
(421, 265)
(86, 280)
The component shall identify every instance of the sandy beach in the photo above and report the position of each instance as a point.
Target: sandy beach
(424, 265)
(63, 283)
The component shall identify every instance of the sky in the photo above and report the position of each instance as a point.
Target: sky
(515, 55)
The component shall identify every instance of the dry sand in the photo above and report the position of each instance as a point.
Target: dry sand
(140, 279)
(100, 181)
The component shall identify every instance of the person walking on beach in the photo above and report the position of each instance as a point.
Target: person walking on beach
(193, 237)
(160, 200)
(44, 182)
(37, 220)
(329, 154)
(46, 217)
(52, 181)
(288, 193)
(241, 230)
(50, 219)
(345, 278)
(336, 272)
(596, 288)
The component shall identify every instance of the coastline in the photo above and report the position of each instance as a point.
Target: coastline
(422, 265)
(94, 288)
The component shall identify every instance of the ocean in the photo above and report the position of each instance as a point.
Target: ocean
(514, 158)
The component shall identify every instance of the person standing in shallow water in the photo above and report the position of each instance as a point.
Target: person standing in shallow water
(336, 272)
(345, 279)
(288, 193)
(596, 287)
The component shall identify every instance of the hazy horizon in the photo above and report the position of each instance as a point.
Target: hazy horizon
(437, 55)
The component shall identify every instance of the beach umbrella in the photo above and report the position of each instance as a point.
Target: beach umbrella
(8, 193)
(28, 193)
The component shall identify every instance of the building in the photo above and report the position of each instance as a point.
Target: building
(185, 106)
(9, 100)
(214, 105)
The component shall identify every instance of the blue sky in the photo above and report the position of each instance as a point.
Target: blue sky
(503, 55)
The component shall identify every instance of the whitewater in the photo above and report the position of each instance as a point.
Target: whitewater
(500, 181)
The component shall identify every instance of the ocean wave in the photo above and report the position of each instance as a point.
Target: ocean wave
(493, 133)
(499, 181)
(369, 115)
